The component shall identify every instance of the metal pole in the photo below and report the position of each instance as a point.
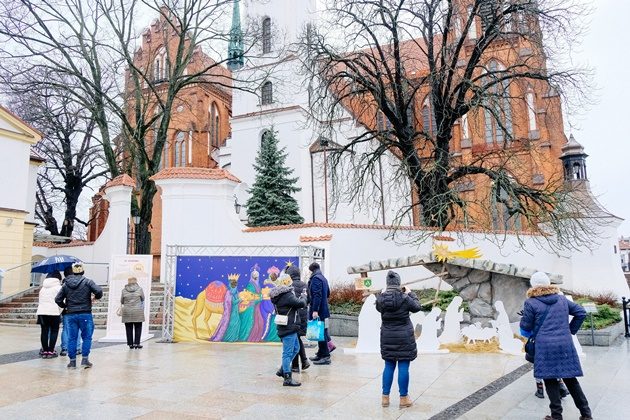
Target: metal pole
(625, 308)
(592, 330)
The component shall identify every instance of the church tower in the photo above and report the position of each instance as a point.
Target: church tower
(235, 49)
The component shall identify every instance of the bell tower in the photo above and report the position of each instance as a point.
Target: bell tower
(574, 161)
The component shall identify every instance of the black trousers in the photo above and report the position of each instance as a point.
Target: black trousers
(50, 331)
(131, 327)
(555, 404)
(301, 356)
(322, 346)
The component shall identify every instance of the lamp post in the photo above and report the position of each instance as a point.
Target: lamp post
(237, 206)
(323, 142)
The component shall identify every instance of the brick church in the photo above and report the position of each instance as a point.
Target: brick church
(211, 117)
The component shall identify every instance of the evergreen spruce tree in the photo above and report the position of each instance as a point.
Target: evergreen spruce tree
(271, 202)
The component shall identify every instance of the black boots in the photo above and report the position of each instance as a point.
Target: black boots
(72, 364)
(288, 381)
(85, 363)
(540, 393)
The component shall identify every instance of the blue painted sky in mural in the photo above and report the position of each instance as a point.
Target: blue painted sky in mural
(194, 273)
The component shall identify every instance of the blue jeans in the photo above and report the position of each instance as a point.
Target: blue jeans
(64, 335)
(85, 324)
(290, 348)
(403, 376)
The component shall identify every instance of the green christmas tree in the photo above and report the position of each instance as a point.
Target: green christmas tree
(271, 202)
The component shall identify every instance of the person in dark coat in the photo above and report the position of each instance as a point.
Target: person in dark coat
(318, 294)
(398, 342)
(287, 303)
(76, 297)
(555, 355)
(299, 288)
(132, 311)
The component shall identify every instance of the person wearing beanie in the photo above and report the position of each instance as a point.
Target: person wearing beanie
(547, 312)
(299, 288)
(318, 293)
(76, 297)
(398, 342)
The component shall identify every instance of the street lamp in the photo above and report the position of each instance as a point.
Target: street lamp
(136, 220)
(237, 206)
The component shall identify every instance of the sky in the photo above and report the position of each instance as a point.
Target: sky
(601, 129)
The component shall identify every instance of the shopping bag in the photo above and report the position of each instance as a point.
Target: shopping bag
(315, 330)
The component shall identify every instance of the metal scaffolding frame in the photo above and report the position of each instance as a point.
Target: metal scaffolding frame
(306, 255)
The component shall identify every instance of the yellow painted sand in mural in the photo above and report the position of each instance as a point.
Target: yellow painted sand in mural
(183, 323)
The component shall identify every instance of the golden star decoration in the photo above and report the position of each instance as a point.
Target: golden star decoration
(443, 254)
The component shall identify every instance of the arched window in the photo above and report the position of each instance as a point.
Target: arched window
(501, 218)
(266, 93)
(498, 110)
(214, 128)
(180, 149)
(382, 123)
(428, 117)
(157, 69)
(531, 109)
(265, 135)
(472, 32)
(266, 35)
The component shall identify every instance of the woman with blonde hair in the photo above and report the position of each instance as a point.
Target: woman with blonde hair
(132, 312)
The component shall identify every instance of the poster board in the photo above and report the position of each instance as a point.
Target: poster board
(227, 298)
(121, 268)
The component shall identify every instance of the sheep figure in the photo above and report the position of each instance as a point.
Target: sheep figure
(475, 333)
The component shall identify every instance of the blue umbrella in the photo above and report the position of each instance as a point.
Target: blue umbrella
(54, 263)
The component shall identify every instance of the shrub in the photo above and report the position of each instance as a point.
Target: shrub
(604, 317)
(606, 298)
(345, 300)
(444, 299)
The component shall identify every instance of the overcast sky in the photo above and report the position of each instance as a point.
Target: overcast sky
(602, 129)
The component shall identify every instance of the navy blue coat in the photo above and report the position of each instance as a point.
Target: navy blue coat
(555, 355)
(318, 293)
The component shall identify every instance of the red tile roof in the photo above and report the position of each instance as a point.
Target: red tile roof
(194, 173)
(123, 179)
(316, 238)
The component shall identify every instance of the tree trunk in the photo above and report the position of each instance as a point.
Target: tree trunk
(143, 236)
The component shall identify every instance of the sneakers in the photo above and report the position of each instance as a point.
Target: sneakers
(52, 354)
(314, 358)
(72, 364)
(138, 346)
(540, 393)
(64, 352)
(85, 363)
(322, 361)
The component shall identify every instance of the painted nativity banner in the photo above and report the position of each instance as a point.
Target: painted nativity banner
(219, 298)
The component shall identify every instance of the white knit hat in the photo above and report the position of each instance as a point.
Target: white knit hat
(539, 279)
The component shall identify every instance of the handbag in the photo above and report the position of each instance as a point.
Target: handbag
(530, 345)
(119, 311)
(315, 330)
(281, 319)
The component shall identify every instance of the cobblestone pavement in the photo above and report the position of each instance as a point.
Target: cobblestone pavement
(182, 381)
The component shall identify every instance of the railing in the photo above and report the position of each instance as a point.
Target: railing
(626, 315)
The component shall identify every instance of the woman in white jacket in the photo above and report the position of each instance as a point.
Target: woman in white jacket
(48, 314)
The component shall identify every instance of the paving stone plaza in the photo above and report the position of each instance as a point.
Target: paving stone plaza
(219, 380)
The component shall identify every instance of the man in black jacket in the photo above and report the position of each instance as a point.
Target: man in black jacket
(287, 304)
(76, 297)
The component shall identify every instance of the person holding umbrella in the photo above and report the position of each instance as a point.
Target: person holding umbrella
(76, 297)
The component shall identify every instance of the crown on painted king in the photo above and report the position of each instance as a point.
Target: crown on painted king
(233, 277)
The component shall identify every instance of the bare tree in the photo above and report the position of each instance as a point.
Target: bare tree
(95, 46)
(73, 156)
(419, 74)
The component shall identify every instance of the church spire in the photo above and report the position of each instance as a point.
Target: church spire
(235, 49)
